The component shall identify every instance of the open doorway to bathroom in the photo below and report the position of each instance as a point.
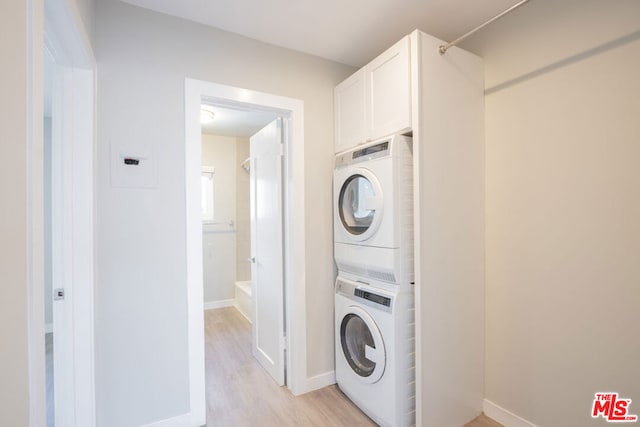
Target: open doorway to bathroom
(226, 232)
(293, 226)
(241, 186)
(226, 217)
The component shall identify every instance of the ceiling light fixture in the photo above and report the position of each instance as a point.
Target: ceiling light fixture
(206, 115)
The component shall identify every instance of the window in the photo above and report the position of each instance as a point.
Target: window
(206, 188)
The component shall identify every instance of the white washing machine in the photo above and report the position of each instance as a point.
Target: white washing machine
(375, 350)
(373, 211)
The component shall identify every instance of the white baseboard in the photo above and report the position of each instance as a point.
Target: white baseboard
(179, 421)
(210, 305)
(237, 307)
(504, 417)
(319, 381)
(48, 328)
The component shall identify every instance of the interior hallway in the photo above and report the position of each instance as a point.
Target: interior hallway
(241, 393)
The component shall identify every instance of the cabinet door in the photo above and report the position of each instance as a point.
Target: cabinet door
(350, 112)
(390, 91)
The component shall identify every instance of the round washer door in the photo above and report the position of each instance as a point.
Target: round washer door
(360, 204)
(362, 344)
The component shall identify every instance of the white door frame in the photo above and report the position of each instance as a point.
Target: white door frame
(58, 26)
(294, 231)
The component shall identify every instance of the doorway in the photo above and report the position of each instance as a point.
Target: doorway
(242, 221)
(226, 218)
(196, 92)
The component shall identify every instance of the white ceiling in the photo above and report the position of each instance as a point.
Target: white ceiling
(347, 31)
(236, 123)
(351, 32)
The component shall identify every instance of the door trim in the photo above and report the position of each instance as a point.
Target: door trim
(294, 230)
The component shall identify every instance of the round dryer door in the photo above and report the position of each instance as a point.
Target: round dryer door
(362, 345)
(360, 204)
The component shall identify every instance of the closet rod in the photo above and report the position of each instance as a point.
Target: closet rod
(443, 48)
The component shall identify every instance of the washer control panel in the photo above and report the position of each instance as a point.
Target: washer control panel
(365, 294)
(369, 296)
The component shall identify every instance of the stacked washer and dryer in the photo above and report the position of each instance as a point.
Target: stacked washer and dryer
(374, 290)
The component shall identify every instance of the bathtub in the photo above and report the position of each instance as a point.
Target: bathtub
(243, 301)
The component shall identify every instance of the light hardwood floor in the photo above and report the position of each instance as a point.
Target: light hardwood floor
(240, 393)
(49, 377)
(483, 421)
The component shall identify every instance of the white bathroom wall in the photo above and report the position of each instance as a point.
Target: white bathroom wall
(219, 238)
(243, 225)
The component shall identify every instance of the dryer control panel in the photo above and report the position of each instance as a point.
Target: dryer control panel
(372, 151)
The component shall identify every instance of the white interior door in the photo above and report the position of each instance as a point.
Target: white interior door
(61, 252)
(72, 246)
(266, 248)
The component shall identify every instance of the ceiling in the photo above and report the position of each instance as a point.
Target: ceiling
(351, 32)
(236, 123)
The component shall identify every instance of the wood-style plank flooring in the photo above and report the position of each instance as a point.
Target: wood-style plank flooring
(483, 421)
(48, 345)
(240, 393)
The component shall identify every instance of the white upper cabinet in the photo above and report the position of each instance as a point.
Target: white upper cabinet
(390, 92)
(376, 100)
(350, 111)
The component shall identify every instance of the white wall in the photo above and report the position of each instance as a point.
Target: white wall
(219, 239)
(563, 208)
(14, 398)
(141, 323)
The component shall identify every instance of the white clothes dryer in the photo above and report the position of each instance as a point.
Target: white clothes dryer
(373, 211)
(375, 366)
